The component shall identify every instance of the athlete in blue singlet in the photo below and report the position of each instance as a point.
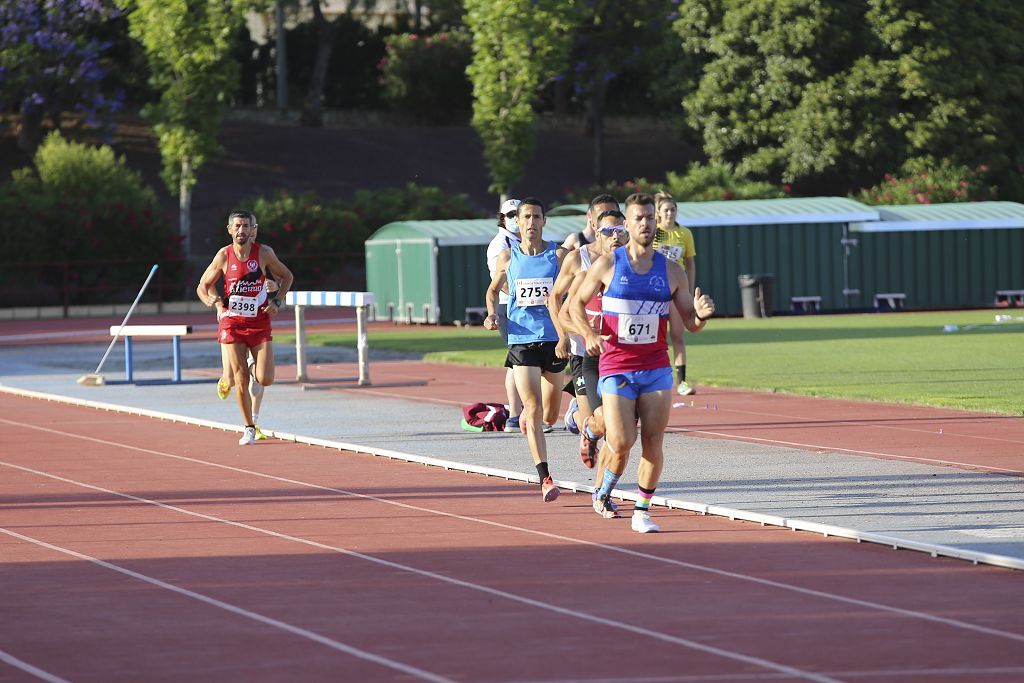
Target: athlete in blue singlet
(530, 269)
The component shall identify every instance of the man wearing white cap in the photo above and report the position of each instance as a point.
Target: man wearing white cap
(507, 237)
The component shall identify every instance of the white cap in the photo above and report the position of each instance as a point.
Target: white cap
(510, 223)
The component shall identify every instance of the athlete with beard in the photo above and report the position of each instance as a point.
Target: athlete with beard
(244, 311)
(638, 285)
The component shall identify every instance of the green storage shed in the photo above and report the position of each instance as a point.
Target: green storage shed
(963, 255)
(802, 242)
(436, 271)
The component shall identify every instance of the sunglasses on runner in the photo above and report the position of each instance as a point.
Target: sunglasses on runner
(510, 214)
(612, 230)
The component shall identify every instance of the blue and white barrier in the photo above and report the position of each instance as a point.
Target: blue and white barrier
(361, 301)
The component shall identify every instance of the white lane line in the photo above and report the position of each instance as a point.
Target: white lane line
(956, 623)
(929, 675)
(30, 669)
(741, 437)
(854, 451)
(228, 607)
(867, 422)
(512, 597)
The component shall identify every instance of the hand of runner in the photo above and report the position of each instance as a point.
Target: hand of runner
(703, 304)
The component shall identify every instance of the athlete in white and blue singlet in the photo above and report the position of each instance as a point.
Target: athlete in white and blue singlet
(639, 284)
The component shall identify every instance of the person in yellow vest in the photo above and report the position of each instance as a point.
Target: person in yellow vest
(676, 243)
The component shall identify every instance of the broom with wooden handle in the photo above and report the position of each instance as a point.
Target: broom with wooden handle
(95, 379)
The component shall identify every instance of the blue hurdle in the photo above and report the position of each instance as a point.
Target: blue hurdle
(175, 332)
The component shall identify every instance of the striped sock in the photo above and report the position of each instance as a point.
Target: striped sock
(610, 480)
(644, 498)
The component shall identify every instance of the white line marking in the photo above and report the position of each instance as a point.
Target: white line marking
(975, 673)
(568, 539)
(939, 419)
(228, 607)
(741, 437)
(717, 510)
(512, 597)
(797, 444)
(29, 669)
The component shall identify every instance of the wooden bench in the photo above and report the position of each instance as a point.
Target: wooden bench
(805, 304)
(1009, 297)
(894, 300)
(175, 332)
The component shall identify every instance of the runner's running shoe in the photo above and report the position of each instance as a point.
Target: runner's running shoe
(223, 389)
(605, 507)
(588, 446)
(642, 523)
(609, 502)
(260, 436)
(548, 428)
(570, 417)
(548, 490)
(512, 424)
(685, 389)
(248, 437)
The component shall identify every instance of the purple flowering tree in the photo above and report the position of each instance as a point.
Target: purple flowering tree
(51, 62)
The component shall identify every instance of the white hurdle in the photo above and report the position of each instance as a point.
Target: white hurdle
(361, 301)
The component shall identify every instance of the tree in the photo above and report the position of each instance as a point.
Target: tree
(312, 107)
(853, 89)
(613, 40)
(187, 45)
(51, 60)
(517, 45)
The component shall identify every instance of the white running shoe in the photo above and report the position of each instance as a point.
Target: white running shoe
(248, 437)
(548, 428)
(642, 523)
(685, 389)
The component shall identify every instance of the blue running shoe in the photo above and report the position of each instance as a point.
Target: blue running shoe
(570, 417)
(512, 424)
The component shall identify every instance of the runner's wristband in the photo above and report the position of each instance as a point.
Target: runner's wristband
(697, 315)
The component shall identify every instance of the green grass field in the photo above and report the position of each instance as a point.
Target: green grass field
(895, 357)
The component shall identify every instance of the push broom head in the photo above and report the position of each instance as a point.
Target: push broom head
(91, 380)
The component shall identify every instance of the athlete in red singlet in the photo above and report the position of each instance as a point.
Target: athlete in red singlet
(243, 310)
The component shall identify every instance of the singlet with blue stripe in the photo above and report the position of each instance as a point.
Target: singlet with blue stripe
(635, 317)
(530, 281)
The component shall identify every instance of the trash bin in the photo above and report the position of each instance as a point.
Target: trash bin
(756, 294)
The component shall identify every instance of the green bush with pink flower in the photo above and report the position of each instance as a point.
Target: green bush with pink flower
(924, 183)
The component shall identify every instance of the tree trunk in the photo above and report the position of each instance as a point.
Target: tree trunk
(30, 135)
(312, 108)
(281, 58)
(185, 207)
(596, 116)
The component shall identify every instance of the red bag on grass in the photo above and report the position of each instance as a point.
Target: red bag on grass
(484, 417)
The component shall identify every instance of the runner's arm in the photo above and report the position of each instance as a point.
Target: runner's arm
(496, 285)
(207, 288)
(279, 271)
(597, 278)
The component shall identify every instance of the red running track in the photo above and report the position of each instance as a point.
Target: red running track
(136, 549)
